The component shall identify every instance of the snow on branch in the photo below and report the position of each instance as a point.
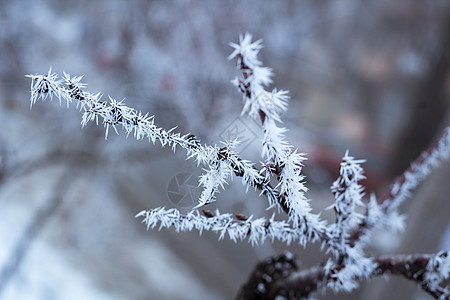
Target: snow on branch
(280, 180)
(437, 271)
(220, 162)
(348, 194)
(417, 172)
(113, 113)
(386, 214)
(237, 227)
(282, 160)
(349, 265)
(300, 283)
(259, 103)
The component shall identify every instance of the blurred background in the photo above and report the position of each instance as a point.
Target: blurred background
(371, 77)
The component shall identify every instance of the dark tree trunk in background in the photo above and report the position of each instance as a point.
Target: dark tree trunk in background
(431, 105)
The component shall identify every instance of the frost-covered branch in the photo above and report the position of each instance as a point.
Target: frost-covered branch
(417, 173)
(386, 214)
(112, 114)
(237, 227)
(349, 264)
(282, 161)
(220, 162)
(280, 180)
(348, 194)
(428, 271)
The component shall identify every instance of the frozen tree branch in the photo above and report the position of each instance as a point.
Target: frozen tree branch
(238, 227)
(281, 182)
(348, 194)
(220, 161)
(416, 173)
(281, 159)
(282, 276)
(387, 214)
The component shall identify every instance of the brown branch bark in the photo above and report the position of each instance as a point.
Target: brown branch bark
(282, 276)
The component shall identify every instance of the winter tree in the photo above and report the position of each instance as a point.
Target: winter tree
(280, 182)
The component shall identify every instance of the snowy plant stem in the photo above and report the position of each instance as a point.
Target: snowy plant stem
(115, 113)
(403, 186)
(237, 227)
(417, 172)
(282, 161)
(301, 283)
